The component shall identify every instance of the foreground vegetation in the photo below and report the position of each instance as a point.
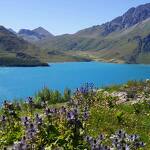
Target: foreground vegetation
(115, 117)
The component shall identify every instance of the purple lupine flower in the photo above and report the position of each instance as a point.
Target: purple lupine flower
(21, 145)
(106, 148)
(26, 118)
(139, 144)
(85, 88)
(94, 143)
(142, 144)
(5, 103)
(77, 90)
(55, 110)
(25, 121)
(30, 101)
(32, 128)
(85, 108)
(85, 115)
(89, 139)
(127, 147)
(47, 111)
(75, 112)
(115, 142)
(50, 112)
(3, 119)
(30, 135)
(78, 123)
(12, 112)
(91, 85)
(31, 131)
(23, 140)
(81, 89)
(94, 147)
(101, 137)
(70, 115)
(36, 117)
(38, 120)
(133, 137)
(121, 134)
(63, 110)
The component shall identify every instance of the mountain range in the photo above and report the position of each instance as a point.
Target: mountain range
(125, 39)
(15, 51)
(35, 35)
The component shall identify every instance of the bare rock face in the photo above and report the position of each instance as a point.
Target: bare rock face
(143, 43)
(143, 47)
(130, 18)
(146, 44)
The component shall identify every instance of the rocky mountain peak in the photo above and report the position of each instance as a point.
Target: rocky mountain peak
(34, 35)
(42, 31)
(133, 16)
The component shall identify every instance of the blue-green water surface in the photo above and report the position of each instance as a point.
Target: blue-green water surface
(21, 82)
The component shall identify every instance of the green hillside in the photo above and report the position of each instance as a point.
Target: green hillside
(119, 46)
(15, 51)
(124, 39)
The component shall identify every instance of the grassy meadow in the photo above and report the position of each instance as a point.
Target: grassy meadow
(113, 118)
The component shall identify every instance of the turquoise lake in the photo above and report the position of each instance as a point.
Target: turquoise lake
(23, 82)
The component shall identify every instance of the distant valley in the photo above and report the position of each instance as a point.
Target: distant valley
(126, 39)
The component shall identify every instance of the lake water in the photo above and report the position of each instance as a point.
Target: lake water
(23, 82)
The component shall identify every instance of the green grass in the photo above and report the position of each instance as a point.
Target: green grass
(105, 116)
(105, 121)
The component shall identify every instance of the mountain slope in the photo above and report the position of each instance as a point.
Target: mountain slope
(15, 51)
(128, 19)
(117, 40)
(34, 35)
(41, 31)
(11, 30)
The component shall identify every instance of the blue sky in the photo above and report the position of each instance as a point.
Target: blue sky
(61, 16)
